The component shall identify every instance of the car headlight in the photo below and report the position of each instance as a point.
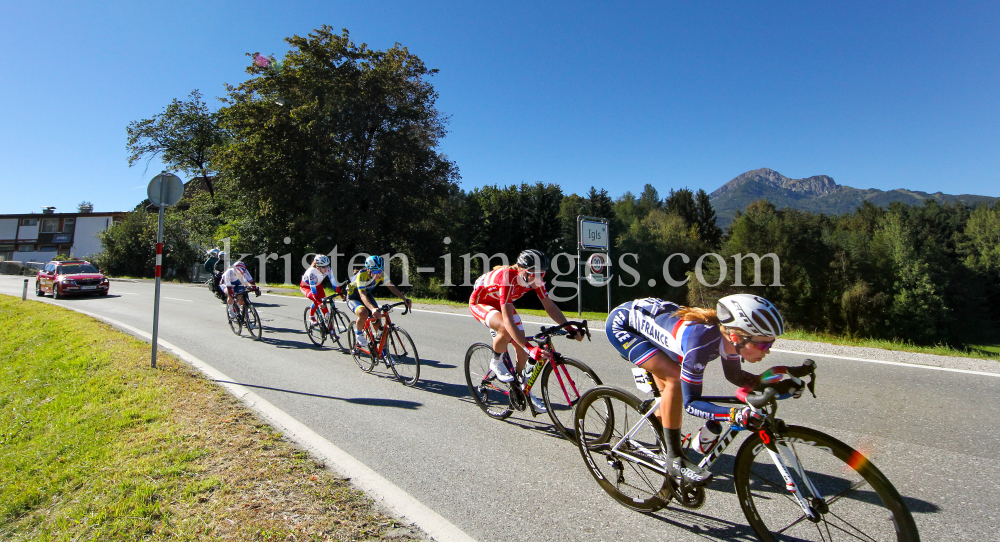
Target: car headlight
(69, 281)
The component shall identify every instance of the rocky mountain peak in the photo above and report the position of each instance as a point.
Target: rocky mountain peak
(818, 185)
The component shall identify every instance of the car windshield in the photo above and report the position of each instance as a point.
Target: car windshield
(76, 268)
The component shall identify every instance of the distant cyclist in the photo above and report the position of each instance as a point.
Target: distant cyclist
(235, 281)
(312, 284)
(360, 298)
(492, 303)
(675, 344)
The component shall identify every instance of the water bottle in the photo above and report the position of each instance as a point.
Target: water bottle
(529, 368)
(708, 435)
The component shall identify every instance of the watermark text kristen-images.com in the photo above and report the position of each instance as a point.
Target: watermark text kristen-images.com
(563, 265)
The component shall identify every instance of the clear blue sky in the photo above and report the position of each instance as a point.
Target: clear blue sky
(615, 95)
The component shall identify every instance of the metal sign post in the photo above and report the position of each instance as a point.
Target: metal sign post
(592, 235)
(164, 190)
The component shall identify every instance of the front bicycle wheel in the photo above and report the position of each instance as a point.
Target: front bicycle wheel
(339, 325)
(623, 449)
(401, 355)
(234, 321)
(362, 356)
(254, 326)
(853, 499)
(562, 386)
(489, 393)
(313, 328)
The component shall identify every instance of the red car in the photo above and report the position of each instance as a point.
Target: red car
(70, 277)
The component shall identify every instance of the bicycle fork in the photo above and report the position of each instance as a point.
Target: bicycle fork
(782, 457)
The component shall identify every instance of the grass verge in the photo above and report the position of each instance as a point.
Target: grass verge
(96, 445)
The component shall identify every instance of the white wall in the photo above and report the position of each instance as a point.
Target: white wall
(8, 228)
(39, 256)
(28, 232)
(85, 241)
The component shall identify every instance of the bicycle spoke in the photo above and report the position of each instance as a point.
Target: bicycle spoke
(862, 505)
(858, 534)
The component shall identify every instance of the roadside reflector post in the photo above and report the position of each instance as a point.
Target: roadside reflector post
(164, 190)
(24, 294)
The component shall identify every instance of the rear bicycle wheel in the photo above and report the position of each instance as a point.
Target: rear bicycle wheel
(339, 326)
(234, 322)
(631, 470)
(487, 391)
(401, 355)
(562, 386)
(253, 323)
(364, 359)
(855, 500)
(313, 329)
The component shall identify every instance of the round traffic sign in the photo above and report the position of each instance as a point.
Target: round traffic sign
(597, 263)
(165, 189)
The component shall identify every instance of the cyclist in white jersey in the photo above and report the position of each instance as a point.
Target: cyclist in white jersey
(676, 343)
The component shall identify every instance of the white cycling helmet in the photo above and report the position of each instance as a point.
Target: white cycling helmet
(753, 314)
(213, 253)
(322, 260)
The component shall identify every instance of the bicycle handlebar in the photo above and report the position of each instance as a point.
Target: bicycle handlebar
(387, 307)
(808, 368)
(561, 330)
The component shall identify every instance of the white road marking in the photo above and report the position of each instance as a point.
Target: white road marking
(901, 364)
(175, 299)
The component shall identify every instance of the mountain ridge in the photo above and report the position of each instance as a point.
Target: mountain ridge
(819, 194)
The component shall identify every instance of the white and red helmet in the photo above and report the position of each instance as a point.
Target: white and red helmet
(755, 315)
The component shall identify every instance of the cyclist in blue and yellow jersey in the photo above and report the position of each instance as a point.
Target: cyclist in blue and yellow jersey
(360, 298)
(675, 344)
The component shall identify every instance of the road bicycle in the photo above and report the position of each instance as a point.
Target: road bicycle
(392, 346)
(334, 325)
(793, 483)
(563, 379)
(245, 317)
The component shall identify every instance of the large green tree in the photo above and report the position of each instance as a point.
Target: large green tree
(184, 136)
(337, 144)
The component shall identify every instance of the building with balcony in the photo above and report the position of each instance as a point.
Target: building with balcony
(39, 237)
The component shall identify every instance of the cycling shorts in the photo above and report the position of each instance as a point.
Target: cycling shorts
(630, 343)
(354, 301)
(483, 313)
(236, 288)
(307, 291)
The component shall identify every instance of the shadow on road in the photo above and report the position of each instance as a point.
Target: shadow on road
(368, 401)
(436, 364)
(442, 388)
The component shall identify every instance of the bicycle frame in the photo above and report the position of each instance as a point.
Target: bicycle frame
(383, 335)
(526, 386)
(780, 454)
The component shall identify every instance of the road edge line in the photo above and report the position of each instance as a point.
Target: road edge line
(385, 493)
(883, 362)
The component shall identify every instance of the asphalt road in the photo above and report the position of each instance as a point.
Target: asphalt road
(932, 433)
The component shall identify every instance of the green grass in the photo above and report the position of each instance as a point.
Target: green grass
(96, 445)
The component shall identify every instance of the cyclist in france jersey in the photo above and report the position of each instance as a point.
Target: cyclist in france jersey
(676, 343)
(360, 299)
(234, 281)
(492, 303)
(312, 284)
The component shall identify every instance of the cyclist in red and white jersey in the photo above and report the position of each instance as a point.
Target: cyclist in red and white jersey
(234, 281)
(492, 303)
(312, 283)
